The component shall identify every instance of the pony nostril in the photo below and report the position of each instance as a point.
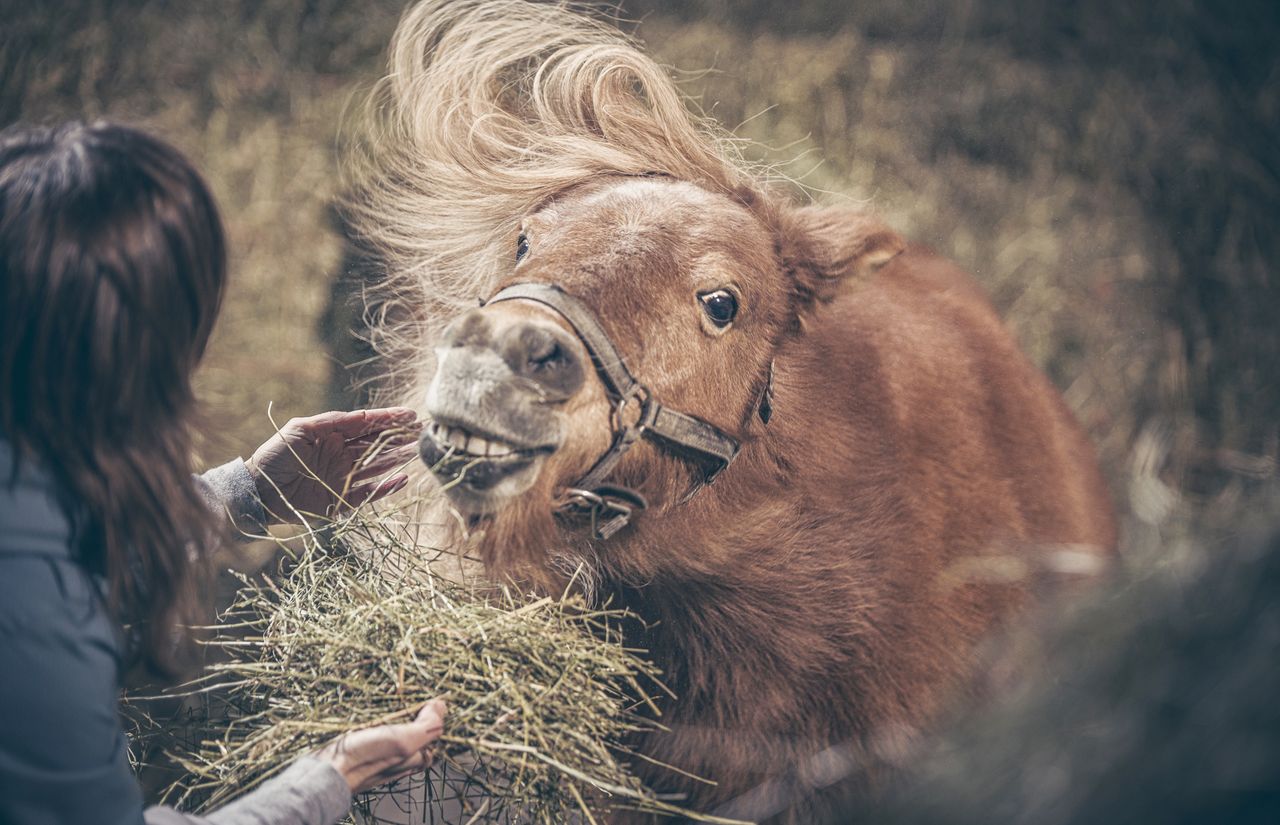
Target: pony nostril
(539, 353)
(546, 356)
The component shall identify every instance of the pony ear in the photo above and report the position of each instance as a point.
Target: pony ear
(827, 243)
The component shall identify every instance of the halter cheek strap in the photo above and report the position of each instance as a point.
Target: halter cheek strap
(610, 506)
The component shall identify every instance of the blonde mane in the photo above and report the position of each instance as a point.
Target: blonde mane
(491, 108)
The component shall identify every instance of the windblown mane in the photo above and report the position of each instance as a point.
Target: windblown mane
(492, 107)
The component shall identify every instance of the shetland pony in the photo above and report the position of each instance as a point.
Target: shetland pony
(898, 469)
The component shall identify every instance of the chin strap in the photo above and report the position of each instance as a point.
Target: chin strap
(609, 506)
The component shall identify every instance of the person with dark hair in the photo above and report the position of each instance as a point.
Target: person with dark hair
(112, 272)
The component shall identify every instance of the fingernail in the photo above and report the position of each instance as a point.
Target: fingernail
(432, 714)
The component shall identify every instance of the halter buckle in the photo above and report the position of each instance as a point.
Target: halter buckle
(648, 411)
(609, 506)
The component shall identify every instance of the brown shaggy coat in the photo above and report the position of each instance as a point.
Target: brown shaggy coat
(832, 587)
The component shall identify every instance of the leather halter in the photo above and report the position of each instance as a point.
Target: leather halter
(611, 506)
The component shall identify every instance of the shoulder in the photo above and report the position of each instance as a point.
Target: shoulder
(33, 519)
(47, 598)
(52, 613)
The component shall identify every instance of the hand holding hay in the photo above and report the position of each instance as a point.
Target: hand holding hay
(373, 757)
(358, 630)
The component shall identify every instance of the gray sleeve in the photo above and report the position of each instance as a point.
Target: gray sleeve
(309, 792)
(230, 489)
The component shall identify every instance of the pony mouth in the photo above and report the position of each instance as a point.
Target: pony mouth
(472, 466)
(469, 444)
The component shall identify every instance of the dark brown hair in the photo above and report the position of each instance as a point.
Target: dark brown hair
(112, 270)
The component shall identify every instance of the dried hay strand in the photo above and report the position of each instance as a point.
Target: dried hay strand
(360, 629)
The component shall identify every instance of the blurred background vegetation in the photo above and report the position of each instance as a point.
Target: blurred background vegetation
(1110, 171)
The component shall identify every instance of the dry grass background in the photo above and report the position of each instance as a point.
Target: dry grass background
(1111, 174)
(254, 93)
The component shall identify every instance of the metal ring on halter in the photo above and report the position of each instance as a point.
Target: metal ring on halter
(616, 503)
(576, 496)
(640, 393)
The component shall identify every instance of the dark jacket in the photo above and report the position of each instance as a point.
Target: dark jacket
(63, 754)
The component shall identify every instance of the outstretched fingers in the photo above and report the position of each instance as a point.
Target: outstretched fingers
(374, 490)
(360, 423)
(384, 455)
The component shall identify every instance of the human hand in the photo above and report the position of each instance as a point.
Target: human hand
(301, 468)
(375, 756)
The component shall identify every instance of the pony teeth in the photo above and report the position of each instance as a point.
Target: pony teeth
(464, 442)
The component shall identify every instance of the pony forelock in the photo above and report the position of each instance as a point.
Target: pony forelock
(490, 108)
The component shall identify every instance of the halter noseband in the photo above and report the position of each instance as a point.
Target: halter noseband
(611, 506)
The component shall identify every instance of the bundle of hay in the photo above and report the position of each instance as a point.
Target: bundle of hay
(360, 629)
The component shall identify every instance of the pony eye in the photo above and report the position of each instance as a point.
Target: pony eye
(522, 248)
(720, 305)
